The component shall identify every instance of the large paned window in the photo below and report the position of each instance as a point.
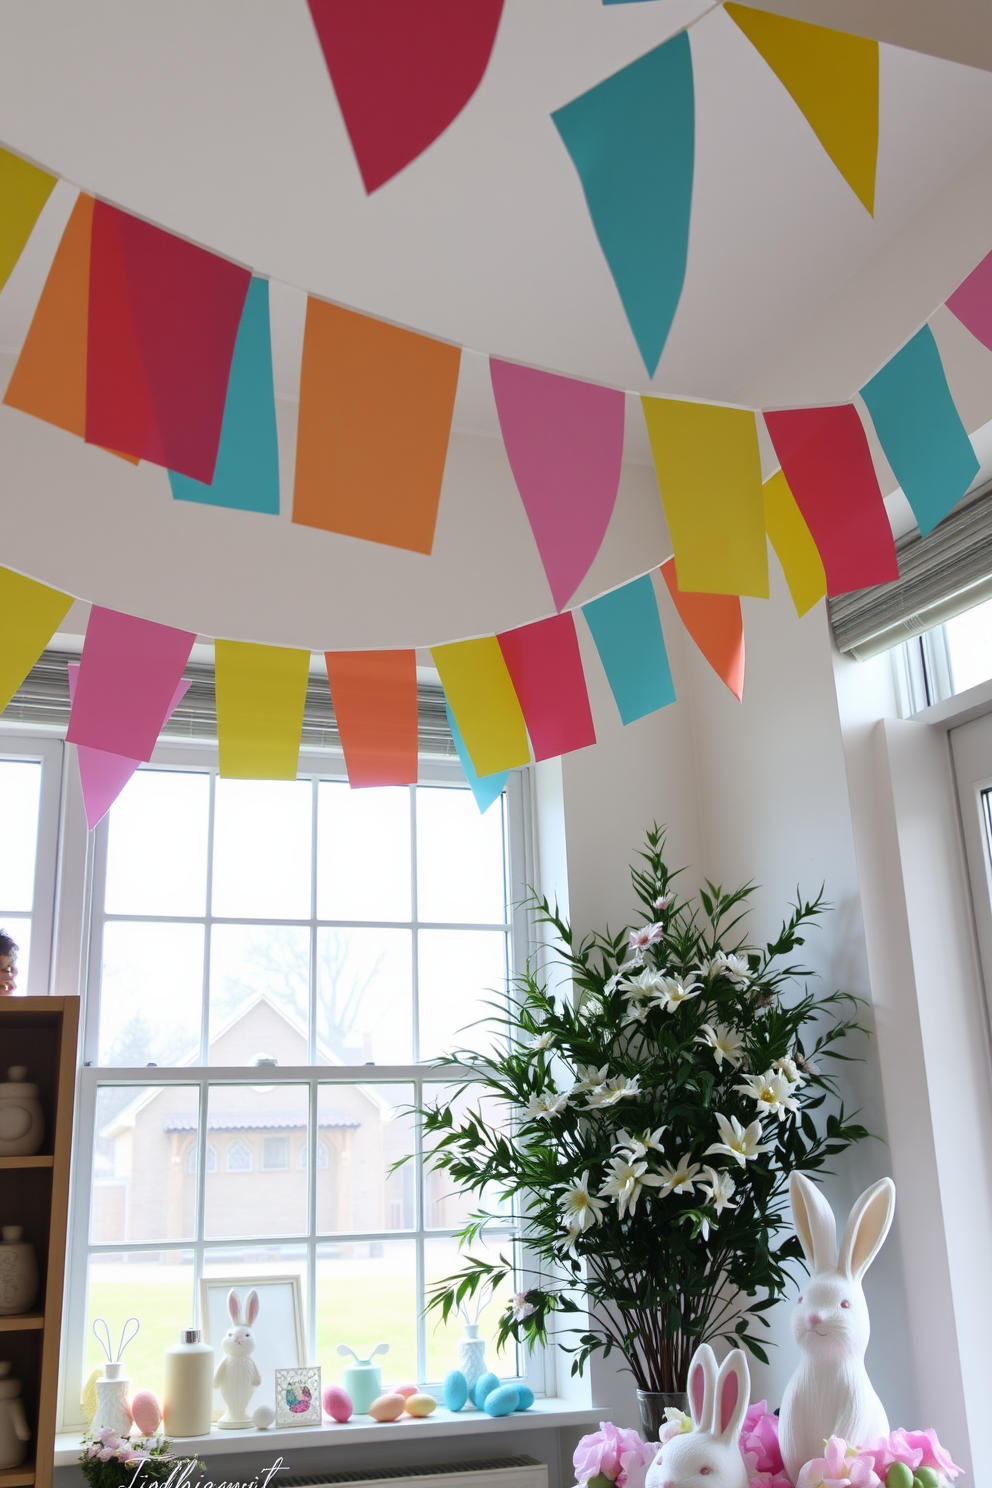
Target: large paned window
(30, 785)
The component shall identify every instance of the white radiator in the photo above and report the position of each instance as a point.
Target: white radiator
(494, 1472)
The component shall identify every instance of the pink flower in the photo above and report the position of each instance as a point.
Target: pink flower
(635, 1461)
(934, 1455)
(759, 1438)
(105, 1454)
(915, 1449)
(767, 1479)
(108, 1437)
(645, 936)
(838, 1467)
(603, 1452)
(662, 903)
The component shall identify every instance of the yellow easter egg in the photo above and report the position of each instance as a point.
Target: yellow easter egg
(387, 1408)
(421, 1404)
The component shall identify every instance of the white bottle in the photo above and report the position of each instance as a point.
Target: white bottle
(188, 1393)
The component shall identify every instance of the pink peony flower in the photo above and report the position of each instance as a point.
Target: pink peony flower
(915, 1449)
(767, 1479)
(759, 1438)
(934, 1455)
(635, 1460)
(105, 1454)
(603, 1452)
(839, 1467)
(108, 1437)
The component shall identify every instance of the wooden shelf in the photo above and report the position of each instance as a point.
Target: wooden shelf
(21, 1322)
(27, 1162)
(17, 1477)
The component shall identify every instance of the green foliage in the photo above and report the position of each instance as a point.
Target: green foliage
(649, 1238)
(109, 1462)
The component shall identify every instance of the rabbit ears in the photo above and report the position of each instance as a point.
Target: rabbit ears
(867, 1226)
(234, 1308)
(718, 1398)
(815, 1223)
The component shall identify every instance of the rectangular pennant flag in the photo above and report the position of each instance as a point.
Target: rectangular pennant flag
(709, 475)
(480, 694)
(128, 675)
(828, 465)
(485, 788)
(24, 190)
(30, 614)
(545, 667)
(626, 628)
(375, 704)
(261, 695)
(716, 625)
(375, 415)
(793, 544)
(920, 430)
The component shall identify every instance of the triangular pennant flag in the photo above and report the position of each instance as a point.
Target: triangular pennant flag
(626, 628)
(247, 471)
(632, 141)
(375, 415)
(833, 77)
(971, 302)
(402, 71)
(479, 692)
(920, 430)
(485, 788)
(709, 474)
(716, 625)
(261, 696)
(546, 670)
(128, 675)
(30, 614)
(564, 442)
(793, 544)
(24, 190)
(49, 380)
(375, 705)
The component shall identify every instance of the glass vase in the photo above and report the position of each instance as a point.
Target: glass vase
(472, 1355)
(652, 1405)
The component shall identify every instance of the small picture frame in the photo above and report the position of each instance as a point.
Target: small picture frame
(298, 1396)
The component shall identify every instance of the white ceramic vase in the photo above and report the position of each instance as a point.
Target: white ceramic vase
(18, 1272)
(15, 1432)
(112, 1408)
(22, 1121)
(472, 1355)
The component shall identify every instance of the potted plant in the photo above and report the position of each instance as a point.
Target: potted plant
(655, 1112)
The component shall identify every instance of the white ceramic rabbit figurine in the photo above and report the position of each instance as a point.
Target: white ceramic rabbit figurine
(830, 1393)
(718, 1401)
(237, 1373)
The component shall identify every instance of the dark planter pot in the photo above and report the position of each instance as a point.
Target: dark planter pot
(652, 1405)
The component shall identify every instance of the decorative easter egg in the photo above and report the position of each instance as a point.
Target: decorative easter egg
(482, 1387)
(501, 1401)
(526, 1399)
(405, 1390)
(925, 1477)
(454, 1391)
(387, 1408)
(262, 1417)
(899, 1476)
(421, 1404)
(337, 1403)
(146, 1412)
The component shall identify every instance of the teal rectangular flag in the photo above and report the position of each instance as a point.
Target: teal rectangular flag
(626, 628)
(485, 788)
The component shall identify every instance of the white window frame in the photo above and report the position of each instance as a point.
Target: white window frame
(49, 754)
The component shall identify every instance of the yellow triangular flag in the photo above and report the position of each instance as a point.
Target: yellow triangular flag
(833, 77)
(261, 694)
(30, 614)
(24, 190)
(793, 543)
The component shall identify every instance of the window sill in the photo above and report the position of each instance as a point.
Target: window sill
(362, 1431)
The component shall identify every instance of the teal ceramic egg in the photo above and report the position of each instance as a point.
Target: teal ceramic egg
(482, 1387)
(501, 1401)
(454, 1391)
(526, 1397)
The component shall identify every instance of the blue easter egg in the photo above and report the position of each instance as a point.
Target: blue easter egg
(454, 1391)
(482, 1387)
(501, 1401)
(526, 1397)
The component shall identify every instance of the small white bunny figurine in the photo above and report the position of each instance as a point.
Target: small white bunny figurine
(830, 1393)
(237, 1373)
(718, 1401)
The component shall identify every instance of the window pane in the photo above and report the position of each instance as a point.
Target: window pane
(18, 927)
(461, 973)
(445, 1206)
(243, 1196)
(157, 844)
(20, 787)
(364, 996)
(151, 992)
(367, 1294)
(362, 1131)
(156, 1287)
(969, 647)
(363, 853)
(262, 849)
(276, 1329)
(460, 872)
(259, 994)
(443, 1258)
(144, 1163)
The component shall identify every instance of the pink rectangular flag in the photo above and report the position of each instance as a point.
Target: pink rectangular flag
(546, 671)
(128, 675)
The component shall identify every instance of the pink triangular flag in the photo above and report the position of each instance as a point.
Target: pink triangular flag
(971, 302)
(103, 776)
(564, 441)
(128, 673)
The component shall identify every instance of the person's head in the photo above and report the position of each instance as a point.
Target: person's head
(7, 947)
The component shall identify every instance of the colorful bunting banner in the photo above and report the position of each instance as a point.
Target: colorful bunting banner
(247, 471)
(545, 667)
(833, 77)
(793, 544)
(626, 628)
(402, 71)
(971, 302)
(716, 625)
(564, 442)
(261, 695)
(480, 694)
(485, 788)
(632, 141)
(375, 414)
(128, 675)
(827, 463)
(375, 703)
(30, 614)
(709, 473)
(920, 430)
(24, 190)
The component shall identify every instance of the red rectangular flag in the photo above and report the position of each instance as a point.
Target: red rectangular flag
(375, 703)
(546, 671)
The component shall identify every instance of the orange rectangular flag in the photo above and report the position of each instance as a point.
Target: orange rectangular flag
(375, 703)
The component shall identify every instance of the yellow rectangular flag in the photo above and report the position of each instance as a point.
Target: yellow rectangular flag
(30, 614)
(709, 474)
(261, 693)
(480, 694)
(24, 190)
(793, 544)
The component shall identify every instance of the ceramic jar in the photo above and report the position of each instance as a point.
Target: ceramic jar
(15, 1432)
(112, 1408)
(22, 1121)
(18, 1272)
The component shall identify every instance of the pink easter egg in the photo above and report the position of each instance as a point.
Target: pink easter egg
(337, 1403)
(146, 1412)
(387, 1407)
(405, 1390)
